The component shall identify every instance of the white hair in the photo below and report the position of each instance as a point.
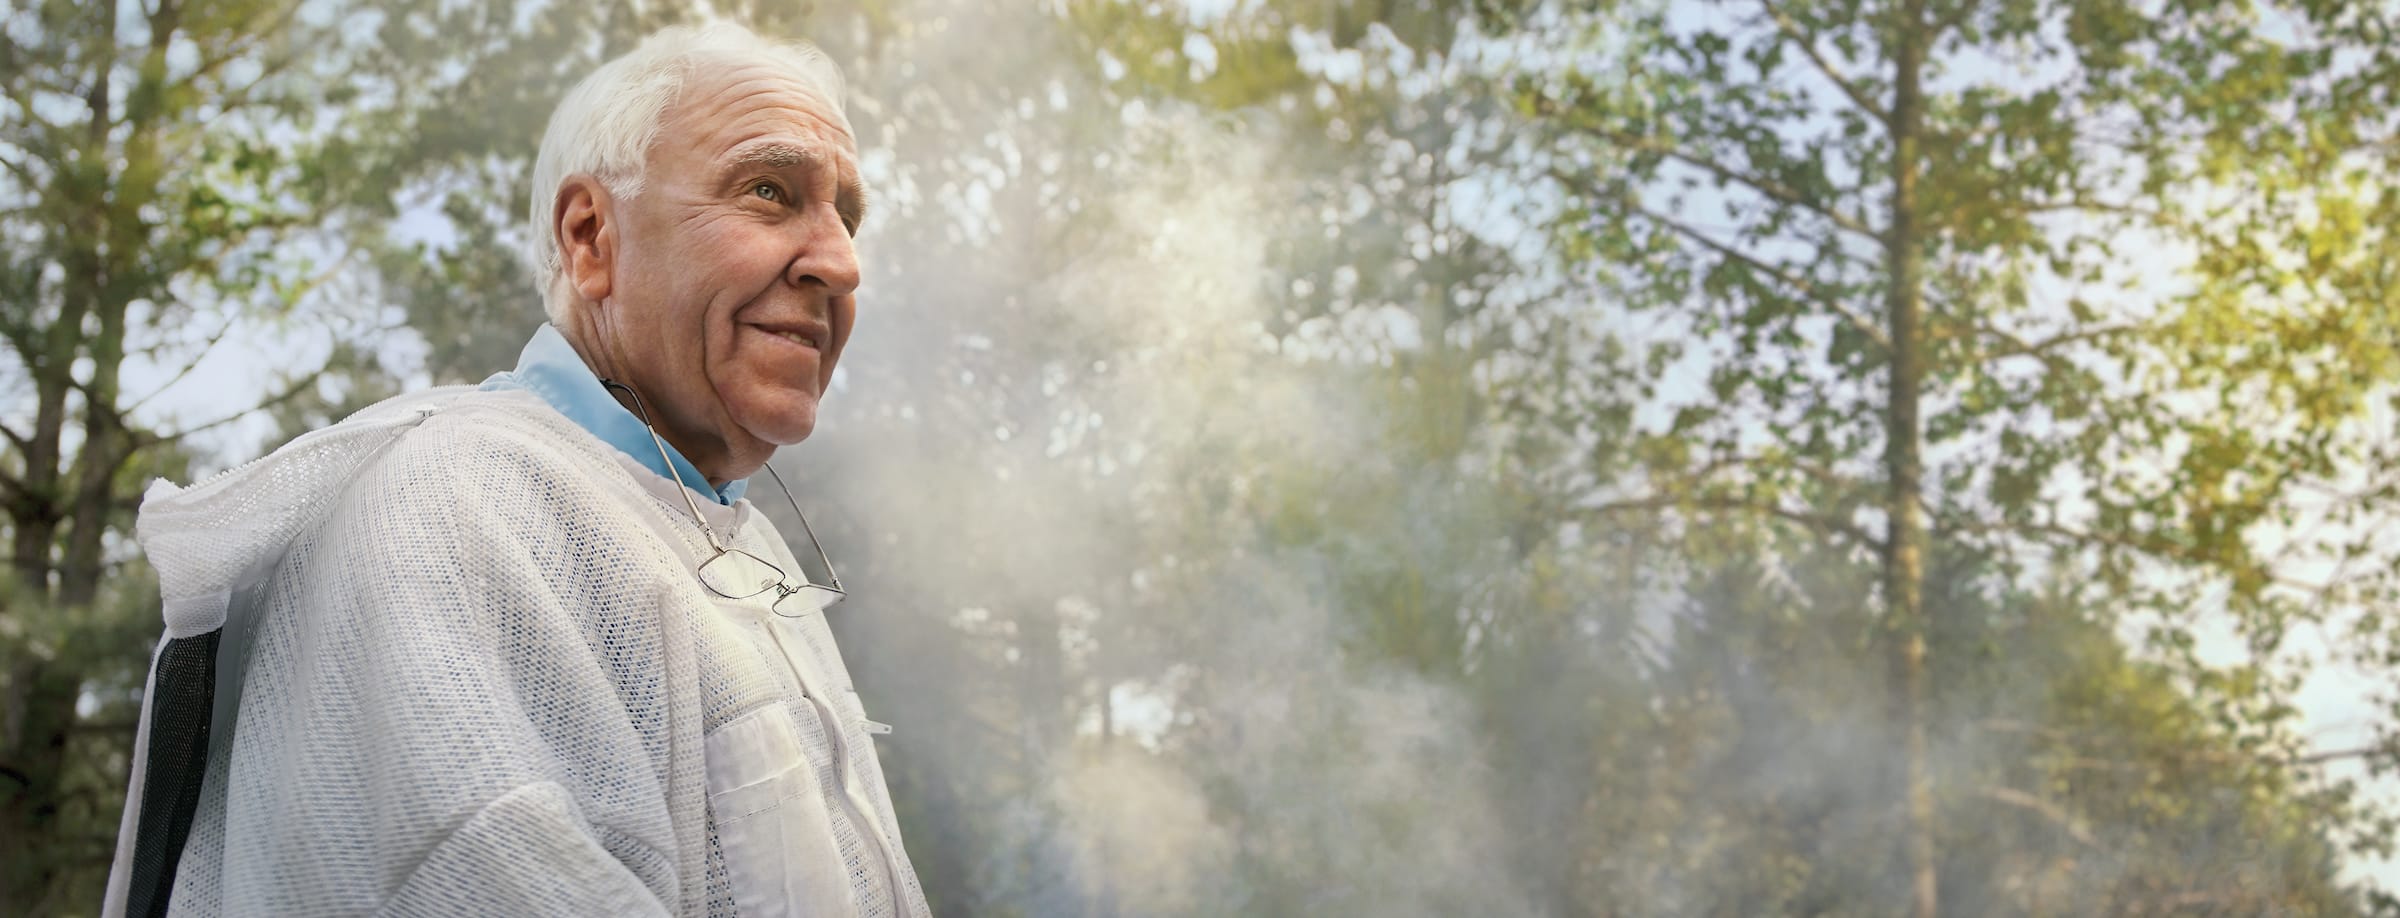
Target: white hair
(606, 124)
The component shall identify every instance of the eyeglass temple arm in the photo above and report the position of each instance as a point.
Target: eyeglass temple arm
(643, 414)
(805, 529)
(680, 488)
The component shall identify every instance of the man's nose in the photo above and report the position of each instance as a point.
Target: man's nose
(827, 258)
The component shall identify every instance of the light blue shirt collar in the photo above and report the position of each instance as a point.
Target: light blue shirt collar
(550, 368)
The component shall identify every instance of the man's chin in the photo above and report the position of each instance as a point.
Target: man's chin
(783, 426)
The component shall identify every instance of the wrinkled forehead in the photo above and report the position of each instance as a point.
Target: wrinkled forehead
(721, 105)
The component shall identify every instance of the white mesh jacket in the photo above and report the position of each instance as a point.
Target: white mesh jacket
(450, 657)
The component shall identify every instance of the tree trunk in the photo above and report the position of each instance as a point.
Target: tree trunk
(37, 768)
(76, 494)
(1904, 542)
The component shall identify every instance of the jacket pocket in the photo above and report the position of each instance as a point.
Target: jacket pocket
(771, 820)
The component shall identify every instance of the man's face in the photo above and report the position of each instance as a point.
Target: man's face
(731, 293)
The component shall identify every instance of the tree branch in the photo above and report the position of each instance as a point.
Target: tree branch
(299, 386)
(208, 63)
(2047, 810)
(2335, 755)
(2153, 547)
(2216, 756)
(2015, 346)
(1823, 474)
(16, 439)
(12, 488)
(23, 175)
(1820, 522)
(1808, 45)
(1857, 322)
(2079, 202)
(205, 348)
(1772, 189)
(1957, 16)
(228, 98)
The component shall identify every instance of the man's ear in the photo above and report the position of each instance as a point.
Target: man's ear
(584, 218)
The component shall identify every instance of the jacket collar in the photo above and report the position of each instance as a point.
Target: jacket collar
(550, 368)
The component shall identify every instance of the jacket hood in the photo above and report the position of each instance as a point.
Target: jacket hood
(210, 538)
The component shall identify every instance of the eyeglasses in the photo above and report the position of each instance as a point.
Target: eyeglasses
(737, 574)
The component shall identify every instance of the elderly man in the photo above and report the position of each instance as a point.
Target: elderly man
(524, 648)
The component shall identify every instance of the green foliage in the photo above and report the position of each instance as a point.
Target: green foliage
(2064, 230)
(2072, 354)
(161, 181)
(1402, 457)
(1726, 175)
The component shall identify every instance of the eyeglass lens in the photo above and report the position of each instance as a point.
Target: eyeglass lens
(737, 574)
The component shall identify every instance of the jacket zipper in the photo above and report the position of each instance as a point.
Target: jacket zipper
(386, 425)
(836, 733)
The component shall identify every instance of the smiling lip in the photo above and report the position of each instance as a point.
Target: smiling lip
(810, 334)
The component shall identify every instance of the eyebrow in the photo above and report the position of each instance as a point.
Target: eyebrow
(777, 155)
(851, 201)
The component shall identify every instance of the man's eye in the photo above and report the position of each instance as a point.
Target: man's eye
(767, 191)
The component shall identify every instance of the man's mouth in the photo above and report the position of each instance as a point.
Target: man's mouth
(806, 334)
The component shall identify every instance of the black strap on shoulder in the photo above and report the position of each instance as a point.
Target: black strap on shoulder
(182, 695)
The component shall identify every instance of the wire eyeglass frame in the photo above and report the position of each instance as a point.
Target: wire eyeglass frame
(739, 574)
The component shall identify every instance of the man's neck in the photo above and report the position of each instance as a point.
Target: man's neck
(581, 331)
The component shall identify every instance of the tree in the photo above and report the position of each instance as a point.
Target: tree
(105, 247)
(178, 178)
(1908, 257)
